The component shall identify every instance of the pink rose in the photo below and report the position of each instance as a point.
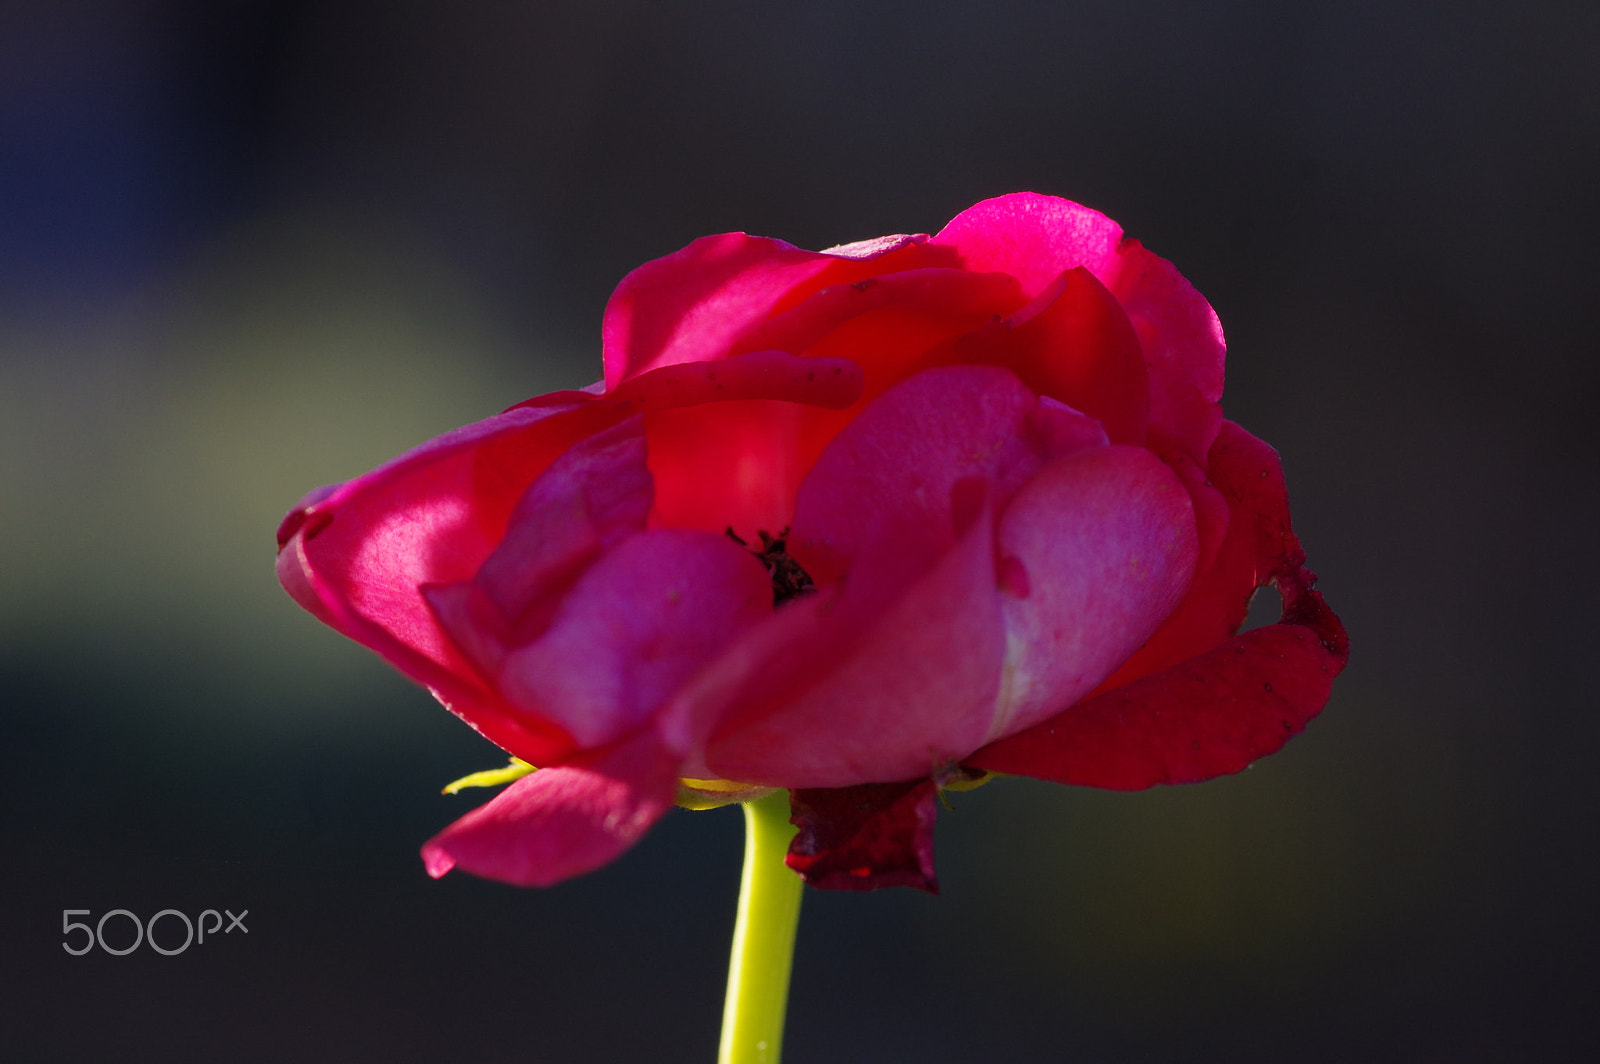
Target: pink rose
(860, 523)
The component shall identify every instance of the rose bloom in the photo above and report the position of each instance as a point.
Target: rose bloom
(863, 523)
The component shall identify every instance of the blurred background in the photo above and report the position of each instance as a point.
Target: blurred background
(247, 248)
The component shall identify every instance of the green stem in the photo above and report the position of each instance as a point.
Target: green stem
(763, 938)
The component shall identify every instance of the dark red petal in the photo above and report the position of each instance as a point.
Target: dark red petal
(1222, 708)
(865, 837)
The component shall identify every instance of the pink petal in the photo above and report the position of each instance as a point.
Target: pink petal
(734, 464)
(1034, 238)
(881, 683)
(1106, 541)
(897, 673)
(691, 305)
(865, 837)
(587, 501)
(358, 556)
(890, 473)
(640, 622)
(1223, 708)
(561, 822)
(1243, 495)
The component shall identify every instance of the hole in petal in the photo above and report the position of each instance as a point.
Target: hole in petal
(1266, 606)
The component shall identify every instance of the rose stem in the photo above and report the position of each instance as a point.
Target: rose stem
(763, 937)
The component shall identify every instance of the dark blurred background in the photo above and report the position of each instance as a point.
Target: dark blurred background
(247, 248)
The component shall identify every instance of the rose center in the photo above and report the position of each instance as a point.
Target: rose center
(789, 580)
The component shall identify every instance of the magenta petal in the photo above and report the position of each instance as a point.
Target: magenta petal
(932, 290)
(831, 383)
(880, 683)
(563, 821)
(1033, 238)
(691, 305)
(865, 837)
(1106, 540)
(640, 622)
(1217, 711)
(891, 471)
(359, 555)
(591, 497)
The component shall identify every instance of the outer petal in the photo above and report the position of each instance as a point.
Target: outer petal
(1246, 479)
(1220, 710)
(865, 837)
(1034, 238)
(1100, 546)
(358, 556)
(561, 822)
(1183, 348)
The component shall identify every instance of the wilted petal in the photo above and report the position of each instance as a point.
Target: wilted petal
(865, 837)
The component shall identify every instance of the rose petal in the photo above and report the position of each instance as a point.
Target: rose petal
(1073, 343)
(880, 683)
(832, 383)
(561, 822)
(1105, 540)
(889, 475)
(1209, 716)
(591, 498)
(1217, 711)
(1246, 483)
(865, 837)
(1183, 348)
(691, 305)
(942, 293)
(1033, 238)
(358, 556)
(639, 622)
